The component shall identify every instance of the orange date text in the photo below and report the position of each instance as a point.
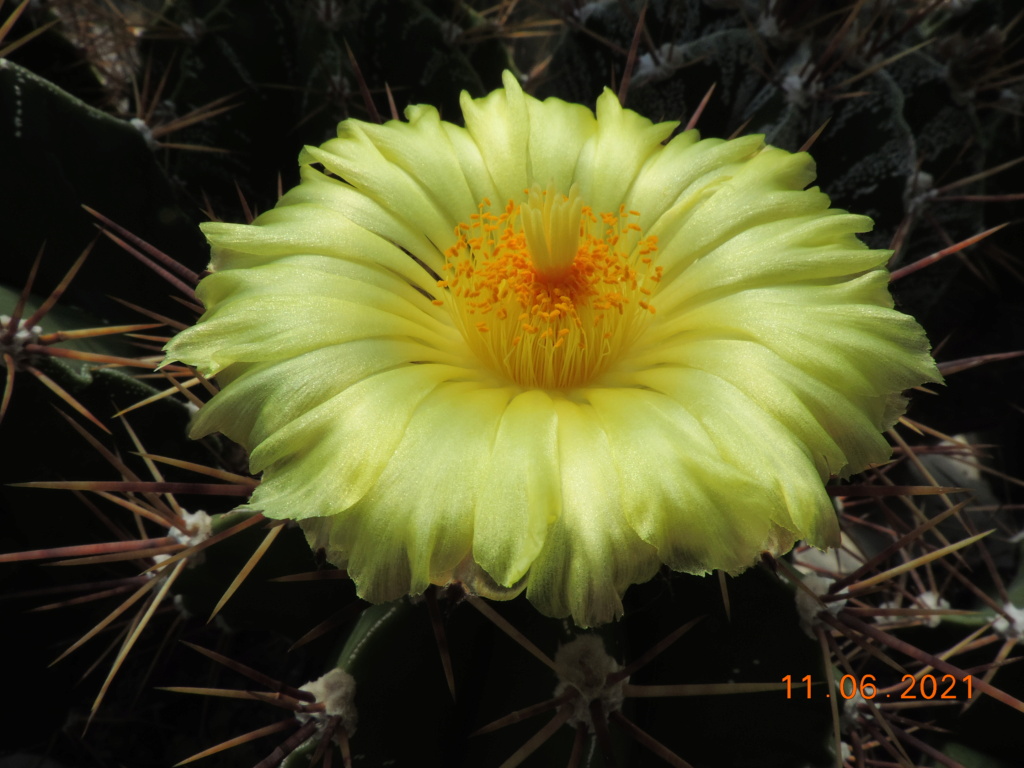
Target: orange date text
(866, 686)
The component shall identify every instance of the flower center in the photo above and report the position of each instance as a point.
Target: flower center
(546, 292)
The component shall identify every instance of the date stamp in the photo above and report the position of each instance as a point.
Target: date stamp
(866, 686)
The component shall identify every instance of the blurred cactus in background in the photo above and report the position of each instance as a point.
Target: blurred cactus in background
(125, 124)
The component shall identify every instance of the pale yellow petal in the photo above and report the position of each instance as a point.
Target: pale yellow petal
(611, 160)
(750, 438)
(766, 188)
(499, 123)
(331, 278)
(685, 171)
(558, 132)
(368, 213)
(521, 494)
(875, 349)
(261, 399)
(260, 328)
(326, 460)
(471, 163)
(310, 228)
(591, 554)
(811, 249)
(360, 162)
(437, 172)
(680, 492)
(416, 524)
(836, 429)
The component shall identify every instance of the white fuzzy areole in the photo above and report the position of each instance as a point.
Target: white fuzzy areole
(585, 665)
(337, 691)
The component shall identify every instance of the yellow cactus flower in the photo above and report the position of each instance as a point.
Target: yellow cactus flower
(551, 349)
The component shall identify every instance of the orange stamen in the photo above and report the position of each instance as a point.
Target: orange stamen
(566, 289)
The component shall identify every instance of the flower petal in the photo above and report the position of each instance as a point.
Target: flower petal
(679, 491)
(265, 397)
(558, 132)
(358, 161)
(307, 224)
(839, 430)
(766, 188)
(499, 124)
(416, 524)
(611, 160)
(274, 312)
(368, 213)
(812, 249)
(591, 553)
(520, 494)
(749, 438)
(326, 460)
(321, 275)
(842, 330)
(684, 171)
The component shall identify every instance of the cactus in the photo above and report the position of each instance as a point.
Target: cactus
(918, 106)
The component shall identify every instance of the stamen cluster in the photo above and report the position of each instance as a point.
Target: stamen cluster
(543, 309)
